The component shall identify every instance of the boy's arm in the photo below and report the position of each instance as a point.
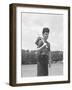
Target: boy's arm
(39, 42)
(40, 48)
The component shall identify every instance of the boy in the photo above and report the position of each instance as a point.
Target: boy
(44, 54)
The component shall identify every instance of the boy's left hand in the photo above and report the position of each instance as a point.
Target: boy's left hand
(49, 63)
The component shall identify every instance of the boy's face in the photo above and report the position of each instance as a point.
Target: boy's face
(45, 35)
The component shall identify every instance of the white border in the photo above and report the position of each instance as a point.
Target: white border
(63, 77)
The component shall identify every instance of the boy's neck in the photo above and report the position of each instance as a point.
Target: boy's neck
(44, 40)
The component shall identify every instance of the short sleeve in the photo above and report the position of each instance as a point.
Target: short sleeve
(37, 40)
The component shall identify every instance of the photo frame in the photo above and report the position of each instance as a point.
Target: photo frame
(26, 24)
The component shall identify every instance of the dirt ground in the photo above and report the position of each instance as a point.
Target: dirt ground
(31, 70)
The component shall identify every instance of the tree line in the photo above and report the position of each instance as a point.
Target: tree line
(30, 57)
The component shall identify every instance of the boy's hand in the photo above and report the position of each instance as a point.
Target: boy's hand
(49, 64)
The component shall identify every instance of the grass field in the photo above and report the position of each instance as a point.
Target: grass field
(31, 70)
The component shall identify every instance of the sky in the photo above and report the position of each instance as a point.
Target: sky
(33, 24)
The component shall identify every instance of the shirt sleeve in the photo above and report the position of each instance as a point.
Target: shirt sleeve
(37, 40)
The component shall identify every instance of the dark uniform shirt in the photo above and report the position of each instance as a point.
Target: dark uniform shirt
(45, 50)
(43, 57)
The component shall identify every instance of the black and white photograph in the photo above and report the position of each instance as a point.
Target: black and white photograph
(42, 44)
